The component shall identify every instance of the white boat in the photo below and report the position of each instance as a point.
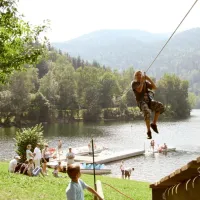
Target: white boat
(85, 168)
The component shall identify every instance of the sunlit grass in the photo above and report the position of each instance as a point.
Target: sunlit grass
(21, 187)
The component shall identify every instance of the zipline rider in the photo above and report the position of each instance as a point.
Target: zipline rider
(141, 86)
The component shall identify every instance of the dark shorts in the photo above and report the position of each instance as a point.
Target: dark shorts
(155, 106)
(47, 159)
(127, 174)
(22, 169)
(122, 172)
(17, 168)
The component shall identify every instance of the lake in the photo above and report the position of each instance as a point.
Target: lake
(120, 136)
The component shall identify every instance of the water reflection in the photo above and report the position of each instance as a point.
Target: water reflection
(7, 132)
(72, 130)
(120, 136)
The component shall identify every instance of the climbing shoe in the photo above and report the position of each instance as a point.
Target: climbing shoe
(154, 127)
(149, 135)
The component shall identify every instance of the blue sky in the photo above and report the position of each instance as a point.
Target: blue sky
(72, 18)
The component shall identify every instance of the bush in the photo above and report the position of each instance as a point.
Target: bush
(27, 136)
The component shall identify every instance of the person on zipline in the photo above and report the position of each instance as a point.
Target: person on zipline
(141, 86)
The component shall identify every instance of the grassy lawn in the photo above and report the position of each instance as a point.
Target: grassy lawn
(21, 187)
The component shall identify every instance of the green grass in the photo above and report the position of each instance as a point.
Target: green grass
(21, 187)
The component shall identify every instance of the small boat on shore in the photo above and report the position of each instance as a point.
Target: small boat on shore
(100, 169)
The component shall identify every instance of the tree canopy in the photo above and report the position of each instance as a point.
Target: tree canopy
(63, 92)
(20, 43)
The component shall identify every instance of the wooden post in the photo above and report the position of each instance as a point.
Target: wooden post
(99, 189)
(95, 187)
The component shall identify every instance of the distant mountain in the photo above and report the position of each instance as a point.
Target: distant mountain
(111, 47)
(123, 48)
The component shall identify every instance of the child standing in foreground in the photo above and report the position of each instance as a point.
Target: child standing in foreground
(75, 188)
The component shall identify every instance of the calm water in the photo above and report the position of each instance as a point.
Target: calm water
(120, 136)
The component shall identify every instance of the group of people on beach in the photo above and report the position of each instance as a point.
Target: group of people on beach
(32, 163)
(31, 167)
(38, 159)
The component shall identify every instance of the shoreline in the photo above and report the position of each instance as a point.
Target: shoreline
(103, 175)
(76, 121)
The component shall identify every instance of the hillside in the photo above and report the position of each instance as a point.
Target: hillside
(114, 48)
(123, 48)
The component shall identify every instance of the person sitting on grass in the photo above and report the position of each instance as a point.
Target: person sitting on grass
(13, 164)
(75, 188)
(17, 168)
(31, 171)
(55, 172)
(23, 168)
(20, 167)
(61, 168)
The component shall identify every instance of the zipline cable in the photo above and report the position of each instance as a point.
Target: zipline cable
(118, 191)
(172, 35)
(164, 44)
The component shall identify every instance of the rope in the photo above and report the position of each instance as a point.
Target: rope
(118, 191)
(163, 46)
(171, 35)
(124, 93)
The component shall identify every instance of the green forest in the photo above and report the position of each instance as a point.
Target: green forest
(42, 84)
(65, 89)
(120, 49)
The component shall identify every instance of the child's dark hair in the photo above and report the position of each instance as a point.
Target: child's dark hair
(73, 170)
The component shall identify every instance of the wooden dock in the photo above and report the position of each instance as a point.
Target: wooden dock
(102, 159)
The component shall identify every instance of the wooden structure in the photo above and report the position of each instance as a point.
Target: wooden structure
(182, 184)
(102, 159)
(99, 159)
(84, 170)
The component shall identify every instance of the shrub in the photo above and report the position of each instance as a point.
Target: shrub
(27, 136)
